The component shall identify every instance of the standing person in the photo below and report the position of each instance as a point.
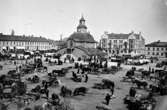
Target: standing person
(107, 98)
(14, 62)
(83, 71)
(26, 61)
(152, 70)
(132, 92)
(78, 70)
(46, 85)
(47, 93)
(112, 90)
(1, 91)
(86, 78)
(149, 69)
(65, 60)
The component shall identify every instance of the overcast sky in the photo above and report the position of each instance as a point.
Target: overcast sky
(51, 18)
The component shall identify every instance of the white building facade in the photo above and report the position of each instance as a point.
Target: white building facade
(9, 42)
(156, 49)
(123, 44)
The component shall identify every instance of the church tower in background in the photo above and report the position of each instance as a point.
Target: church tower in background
(82, 27)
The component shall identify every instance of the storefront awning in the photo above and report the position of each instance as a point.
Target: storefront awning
(4, 48)
(19, 47)
(11, 47)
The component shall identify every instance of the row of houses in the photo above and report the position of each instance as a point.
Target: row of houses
(11, 42)
(82, 44)
(114, 44)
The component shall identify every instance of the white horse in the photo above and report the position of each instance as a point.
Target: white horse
(47, 106)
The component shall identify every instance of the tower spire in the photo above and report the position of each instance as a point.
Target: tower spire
(82, 16)
(81, 27)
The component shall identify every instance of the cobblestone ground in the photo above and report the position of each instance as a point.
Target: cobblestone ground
(94, 97)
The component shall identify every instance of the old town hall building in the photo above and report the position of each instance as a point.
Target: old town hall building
(81, 37)
(81, 43)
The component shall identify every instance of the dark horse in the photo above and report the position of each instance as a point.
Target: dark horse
(65, 91)
(108, 84)
(80, 91)
(40, 90)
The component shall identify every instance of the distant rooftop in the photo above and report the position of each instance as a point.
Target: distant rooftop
(23, 38)
(118, 36)
(82, 37)
(123, 36)
(157, 44)
(92, 51)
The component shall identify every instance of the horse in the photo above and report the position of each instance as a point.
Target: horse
(34, 79)
(107, 84)
(145, 74)
(80, 91)
(36, 89)
(47, 106)
(40, 90)
(76, 78)
(52, 81)
(140, 83)
(64, 91)
(59, 72)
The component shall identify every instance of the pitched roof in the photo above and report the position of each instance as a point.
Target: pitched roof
(82, 19)
(60, 43)
(118, 36)
(82, 37)
(22, 38)
(81, 26)
(123, 36)
(92, 51)
(157, 44)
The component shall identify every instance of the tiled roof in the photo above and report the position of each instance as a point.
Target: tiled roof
(118, 36)
(157, 44)
(82, 37)
(82, 19)
(92, 51)
(123, 36)
(60, 43)
(22, 38)
(81, 26)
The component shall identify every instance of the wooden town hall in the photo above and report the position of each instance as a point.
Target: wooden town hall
(81, 43)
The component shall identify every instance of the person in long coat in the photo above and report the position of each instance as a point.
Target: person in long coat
(107, 98)
(86, 78)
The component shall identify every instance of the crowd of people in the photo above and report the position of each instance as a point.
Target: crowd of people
(80, 73)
